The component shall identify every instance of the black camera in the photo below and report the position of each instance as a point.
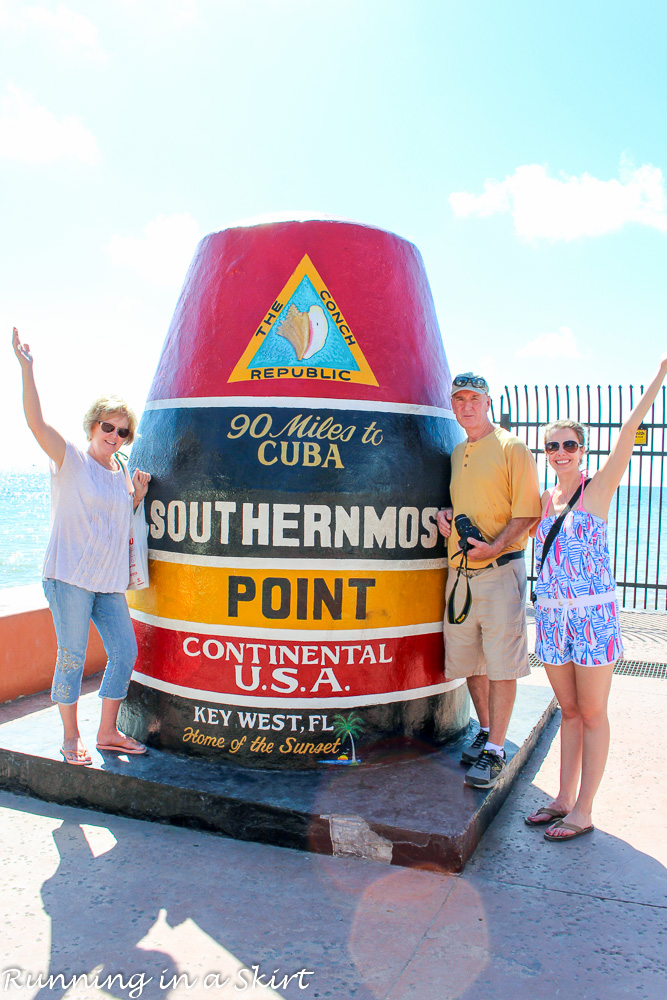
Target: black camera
(466, 530)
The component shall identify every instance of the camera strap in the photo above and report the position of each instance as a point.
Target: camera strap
(453, 618)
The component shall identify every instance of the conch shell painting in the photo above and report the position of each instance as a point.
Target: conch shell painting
(306, 332)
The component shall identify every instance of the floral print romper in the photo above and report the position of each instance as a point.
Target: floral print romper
(576, 612)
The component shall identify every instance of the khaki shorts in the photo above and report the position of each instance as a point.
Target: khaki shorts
(492, 640)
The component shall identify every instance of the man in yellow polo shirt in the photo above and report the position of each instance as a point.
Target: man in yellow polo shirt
(494, 482)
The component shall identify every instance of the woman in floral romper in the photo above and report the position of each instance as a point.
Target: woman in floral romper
(576, 613)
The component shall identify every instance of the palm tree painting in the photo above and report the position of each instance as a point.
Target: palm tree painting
(351, 726)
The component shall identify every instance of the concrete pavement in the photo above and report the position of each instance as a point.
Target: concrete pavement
(86, 893)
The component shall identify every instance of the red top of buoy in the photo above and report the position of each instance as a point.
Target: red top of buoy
(305, 308)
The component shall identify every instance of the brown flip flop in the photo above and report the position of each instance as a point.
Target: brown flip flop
(119, 748)
(577, 831)
(77, 757)
(549, 812)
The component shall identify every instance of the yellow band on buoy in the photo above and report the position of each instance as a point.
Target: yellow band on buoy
(300, 598)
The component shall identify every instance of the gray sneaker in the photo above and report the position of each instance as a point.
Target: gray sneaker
(486, 770)
(471, 752)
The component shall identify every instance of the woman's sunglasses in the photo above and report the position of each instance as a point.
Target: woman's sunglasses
(108, 428)
(552, 446)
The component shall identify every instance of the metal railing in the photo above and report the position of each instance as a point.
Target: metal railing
(639, 554)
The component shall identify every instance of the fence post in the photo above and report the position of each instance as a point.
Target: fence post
(504, 417)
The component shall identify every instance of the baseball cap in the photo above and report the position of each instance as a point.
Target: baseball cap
(468, 380)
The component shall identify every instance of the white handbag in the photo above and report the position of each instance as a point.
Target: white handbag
(138, 550)
(138, 541)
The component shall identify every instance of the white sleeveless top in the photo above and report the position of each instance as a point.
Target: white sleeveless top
(91, 512)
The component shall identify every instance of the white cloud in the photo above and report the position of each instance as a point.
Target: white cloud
(69, 375)
(567, 208)
(72, 33)
(487, 366)
(31, 133)
(162, 254)
(163, 13)
(551, 345)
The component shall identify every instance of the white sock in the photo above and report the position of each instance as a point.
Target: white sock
(494, 748)
(485, 729)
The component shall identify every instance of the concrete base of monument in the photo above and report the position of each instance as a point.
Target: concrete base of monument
(415, 812)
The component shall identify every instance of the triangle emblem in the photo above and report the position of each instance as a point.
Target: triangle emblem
(305, 336)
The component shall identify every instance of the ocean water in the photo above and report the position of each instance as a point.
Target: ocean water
(639, 545)
(24, 525)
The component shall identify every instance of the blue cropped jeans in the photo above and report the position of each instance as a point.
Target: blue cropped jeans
(72, 609)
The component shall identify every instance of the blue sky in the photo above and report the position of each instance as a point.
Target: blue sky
(521, 146)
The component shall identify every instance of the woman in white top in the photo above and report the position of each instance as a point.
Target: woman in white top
(87, 567)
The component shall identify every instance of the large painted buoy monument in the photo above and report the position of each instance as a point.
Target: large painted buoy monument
(298, 432)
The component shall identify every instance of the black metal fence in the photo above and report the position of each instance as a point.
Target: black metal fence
(638, 550)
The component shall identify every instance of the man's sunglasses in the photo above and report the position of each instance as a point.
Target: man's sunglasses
(108, 428)
(570, 446)
(474, 380)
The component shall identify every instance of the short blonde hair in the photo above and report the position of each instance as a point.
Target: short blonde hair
(105, 407)
(567, 425)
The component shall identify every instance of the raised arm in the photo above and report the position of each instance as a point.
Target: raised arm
(605, 482)
(47, 437)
